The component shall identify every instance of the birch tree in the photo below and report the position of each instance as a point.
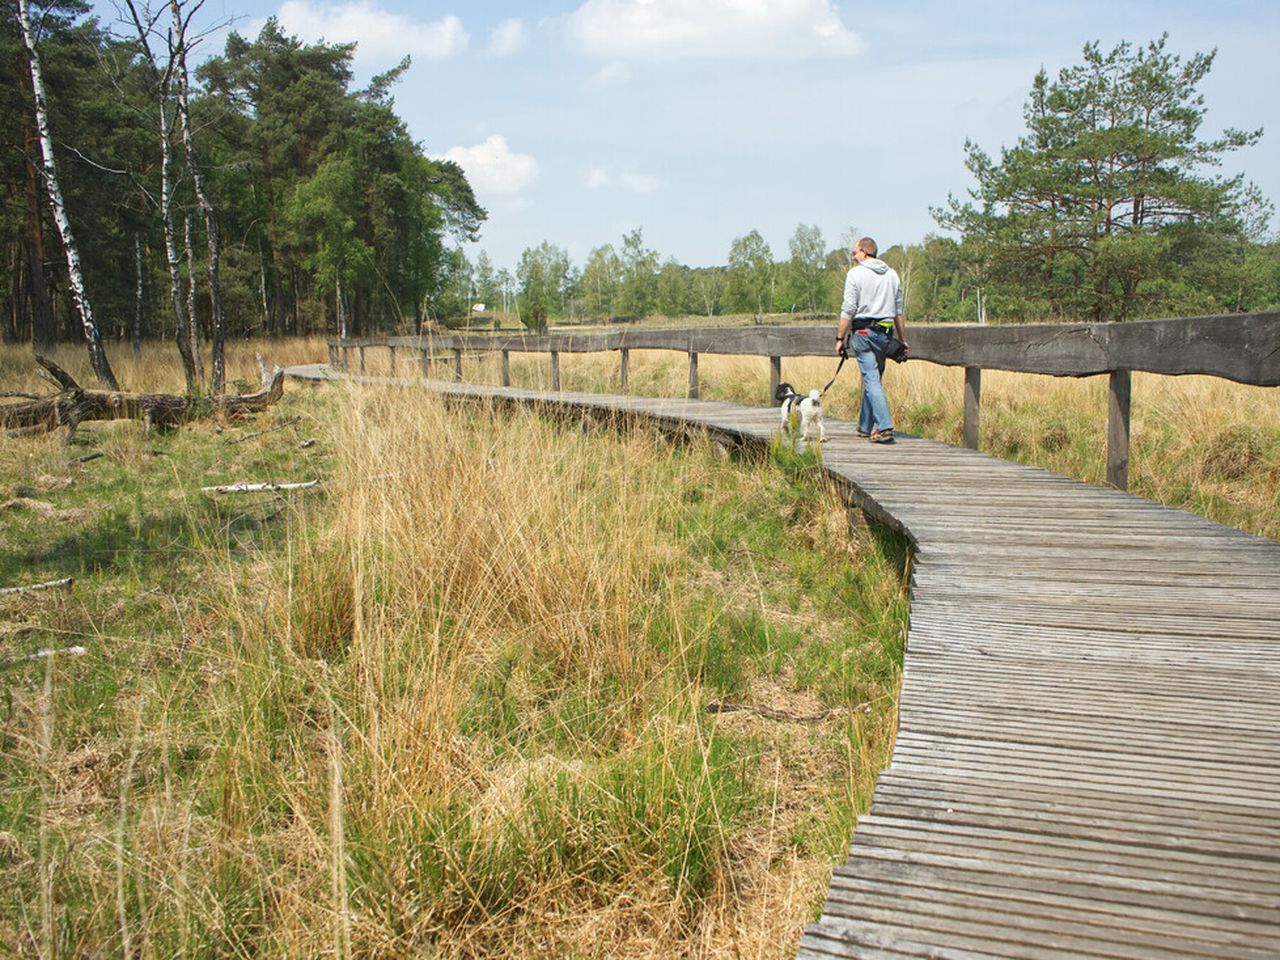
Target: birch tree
(79, 294)
(178, 46)
(144, 23)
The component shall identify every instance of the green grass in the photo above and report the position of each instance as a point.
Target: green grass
(520, 730)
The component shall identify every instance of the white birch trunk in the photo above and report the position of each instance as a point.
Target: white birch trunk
(137, 295)
(79, 295)
(171, 247)
(183, 331)
(193, 327)
(218, 334)
(338, 306)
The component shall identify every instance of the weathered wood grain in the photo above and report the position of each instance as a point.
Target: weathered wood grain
(1240, 347)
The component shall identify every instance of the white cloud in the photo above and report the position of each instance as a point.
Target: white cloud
(598, 177)
(506, 38)
(611, 74)
(491, 167)
(640, 182)
(711, 29)
(382, 37)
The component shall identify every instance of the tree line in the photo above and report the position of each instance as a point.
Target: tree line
(262, 194)
(1107, 208)
(258, 194)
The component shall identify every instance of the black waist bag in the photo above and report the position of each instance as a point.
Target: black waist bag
(894, 349)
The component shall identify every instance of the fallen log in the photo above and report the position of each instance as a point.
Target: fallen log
(259, 487)
(74, 405)
(66, 583)
(43, 653)
(773, 713)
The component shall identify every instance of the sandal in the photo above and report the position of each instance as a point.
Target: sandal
(862, 433)
(882, 436)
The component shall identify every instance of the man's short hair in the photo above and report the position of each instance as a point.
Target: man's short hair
(867, 245)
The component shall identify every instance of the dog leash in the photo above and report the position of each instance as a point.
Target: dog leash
(844, 355)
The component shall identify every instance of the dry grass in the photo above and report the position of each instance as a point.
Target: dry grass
(455, 708)
(157, 369)
(1198, 443)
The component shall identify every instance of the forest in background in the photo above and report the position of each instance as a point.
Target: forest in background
(332, 219)
(327, 211)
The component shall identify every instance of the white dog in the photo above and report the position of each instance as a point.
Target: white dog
(808, 410)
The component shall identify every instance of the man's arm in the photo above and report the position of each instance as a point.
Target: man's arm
(848, 307)
(900, 321)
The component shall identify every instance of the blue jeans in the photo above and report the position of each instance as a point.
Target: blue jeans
(868, 350)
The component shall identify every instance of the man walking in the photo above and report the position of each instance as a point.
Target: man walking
(872, 307)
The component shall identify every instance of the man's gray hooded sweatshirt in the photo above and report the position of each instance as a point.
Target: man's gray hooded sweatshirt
(872, 291)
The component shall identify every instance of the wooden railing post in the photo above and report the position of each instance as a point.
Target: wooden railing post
(392, 348)
(506, 368)
(625, 370)
(425, 362)
(972, 405)
(693, 375)
(1118, 429)
(457, 364)
(361, 349)
(555, 370)
(346, 357)
(775, 377)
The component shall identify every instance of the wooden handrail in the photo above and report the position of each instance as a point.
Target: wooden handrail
(1241, 347)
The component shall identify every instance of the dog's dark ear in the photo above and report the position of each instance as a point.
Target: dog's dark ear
(784, 390)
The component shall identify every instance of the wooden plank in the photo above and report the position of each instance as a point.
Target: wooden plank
(1044, 925)
(1040, 921)
(1144, 909)
(972, 405)
(1118, 397)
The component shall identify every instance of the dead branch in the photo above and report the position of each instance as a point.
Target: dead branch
(279, 426)
(262, 370)
(773, 713)
(65, 583)
(43, 654)
(74, 405)
(259, 487)
(60, 376)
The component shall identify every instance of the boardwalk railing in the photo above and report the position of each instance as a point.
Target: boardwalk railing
(1240, 347)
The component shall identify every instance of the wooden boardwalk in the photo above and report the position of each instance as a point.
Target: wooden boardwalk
(1088, 755)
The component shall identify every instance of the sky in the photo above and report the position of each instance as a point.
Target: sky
(698, 121)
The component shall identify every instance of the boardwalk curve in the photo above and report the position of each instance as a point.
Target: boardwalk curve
(1088, 754)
